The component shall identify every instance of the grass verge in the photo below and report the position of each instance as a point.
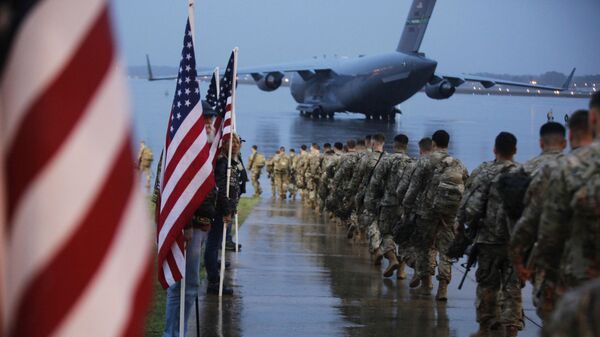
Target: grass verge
(155, 321)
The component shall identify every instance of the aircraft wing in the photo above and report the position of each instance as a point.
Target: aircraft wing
(487, 82)
(304, 68)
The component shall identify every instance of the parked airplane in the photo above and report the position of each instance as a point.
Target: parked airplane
(371, 85)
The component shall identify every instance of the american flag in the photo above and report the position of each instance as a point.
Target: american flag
(187, 167)
(224, 105)
(76, 240)
(211, 94)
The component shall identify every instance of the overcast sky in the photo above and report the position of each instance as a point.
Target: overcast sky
(508, 36)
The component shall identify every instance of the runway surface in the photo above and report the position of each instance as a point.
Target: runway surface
(298, 275)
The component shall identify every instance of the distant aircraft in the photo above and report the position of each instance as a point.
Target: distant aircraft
(371, 85)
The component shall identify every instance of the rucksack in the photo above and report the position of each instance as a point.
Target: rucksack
(512, 187)
(450, 188)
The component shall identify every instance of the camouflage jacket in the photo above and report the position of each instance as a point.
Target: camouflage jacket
(482, 205)
(328, 167)
(282, 164)
(256, 162)
(301, 164)
(536, 162)
(525, 232)
(343, 174)
(367, 167)
(313, 166)
(425, 180)
(569, 233)
(381, 190)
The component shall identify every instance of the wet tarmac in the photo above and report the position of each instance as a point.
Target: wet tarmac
(298, 275)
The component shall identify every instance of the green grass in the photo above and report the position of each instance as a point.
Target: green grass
(155, 321)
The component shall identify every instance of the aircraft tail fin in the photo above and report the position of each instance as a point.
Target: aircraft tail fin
(416, 25)
(149, 67)
(567, 83)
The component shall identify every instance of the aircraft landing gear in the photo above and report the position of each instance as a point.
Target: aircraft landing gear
(330, 115)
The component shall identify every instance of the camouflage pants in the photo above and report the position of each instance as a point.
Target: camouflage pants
(497, 303)
(256, 182)
(544, 296)
(291, 187)
(433, 235)
(281, 181)
(311, 186)
(273, 185)
(388, 217)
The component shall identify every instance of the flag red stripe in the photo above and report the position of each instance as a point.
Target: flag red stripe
(54, 291)
(187, 212)
(53, 116)
(141, 300)
(183, 147)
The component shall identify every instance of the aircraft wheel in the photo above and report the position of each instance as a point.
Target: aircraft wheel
(301, 112)
(368, 116)
(330, 115)
(323, 114)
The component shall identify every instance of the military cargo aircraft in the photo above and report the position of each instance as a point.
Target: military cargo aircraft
(371, 85)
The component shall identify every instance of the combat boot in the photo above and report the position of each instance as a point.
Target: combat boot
(400, 273)
(393, 263)
(377, 257)
(415, 281)
(426, 286)
(511, 331)
(442, 292)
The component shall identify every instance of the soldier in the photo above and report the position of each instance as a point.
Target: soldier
(339, 195)
(525, 232)
(327, 171)
(552, 143)
(271, 173)
(292, 188)
(381, 199)
(281, 168)
(438, 182)
(407, 246)
(577, 313)
(300, 171)
(256, 162)
(145, 158)
(311, 175)
(567, 248)
(498, 289)
(360, 220)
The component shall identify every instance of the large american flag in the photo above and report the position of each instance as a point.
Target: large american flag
(187, 169)
(77, 240)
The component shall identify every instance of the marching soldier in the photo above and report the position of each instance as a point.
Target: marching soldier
(271, 173)
(281, 168)
(292, 187)
(438, 182)
(256, 162)
(312, 174)
(144, 163)
(499, 301)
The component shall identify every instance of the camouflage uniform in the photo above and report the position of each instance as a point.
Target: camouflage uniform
(568, 248)
(339, 197)
(312, 178)
(381, 199)
(271, 173)
(327, 171)
(407, 250)
(256, 163)
(292, 187)
(434, 223)
(300, 173)
(497, 303)
(362, 219)
(525, 232)
(281, 167)
(145, 158)
(577, 313)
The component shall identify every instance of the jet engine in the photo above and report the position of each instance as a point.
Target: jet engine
(441, 90)
(270, 81)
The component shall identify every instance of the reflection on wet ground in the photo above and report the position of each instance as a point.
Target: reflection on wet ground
(298, 275)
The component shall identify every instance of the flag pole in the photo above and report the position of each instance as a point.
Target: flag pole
(234, 126)
(182, 284)
(235, 50)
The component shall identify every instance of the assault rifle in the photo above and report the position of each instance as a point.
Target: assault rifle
(471, 253)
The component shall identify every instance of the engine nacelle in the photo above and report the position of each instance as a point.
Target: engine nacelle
(270, 81)
(440, 90)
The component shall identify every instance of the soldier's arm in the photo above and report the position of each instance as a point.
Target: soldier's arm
(375, 188)
(416, 184)
(554, 224)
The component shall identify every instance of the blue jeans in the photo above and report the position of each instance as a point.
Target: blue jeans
(211, 254)
(193, 253)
